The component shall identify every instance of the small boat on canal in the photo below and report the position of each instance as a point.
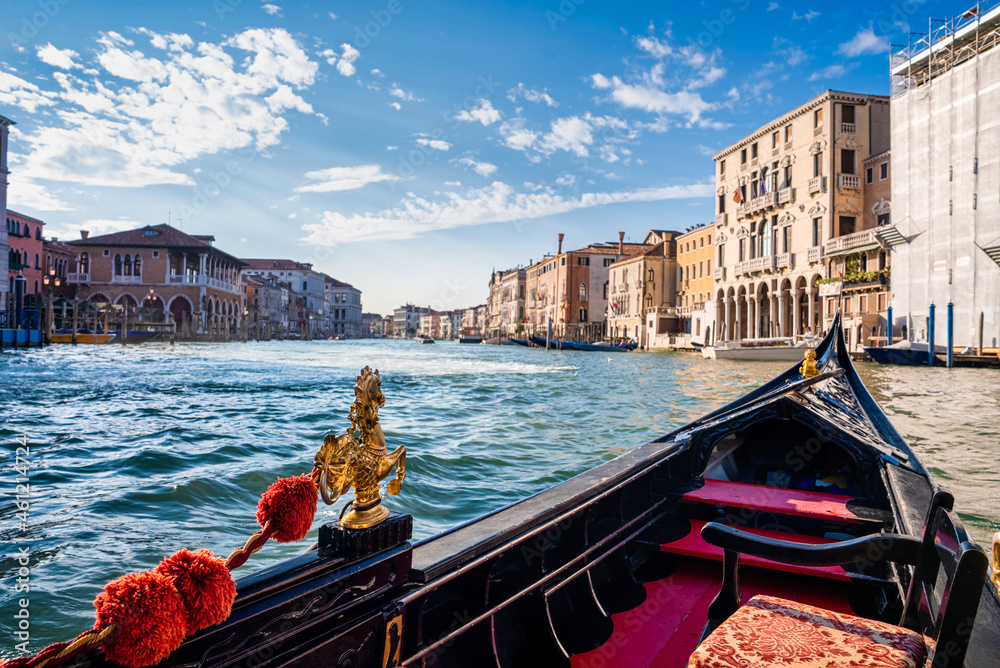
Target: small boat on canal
(793, 527)
(904, 352)
(757, 350)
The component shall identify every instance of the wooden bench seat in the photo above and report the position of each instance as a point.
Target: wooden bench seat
(815, 505)
(693, 545)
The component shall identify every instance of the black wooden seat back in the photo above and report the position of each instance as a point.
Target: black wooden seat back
(945, 589)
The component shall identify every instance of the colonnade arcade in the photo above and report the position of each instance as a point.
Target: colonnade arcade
(769, 308)
(193, 265)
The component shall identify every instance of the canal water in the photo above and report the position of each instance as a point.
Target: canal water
(137, 452)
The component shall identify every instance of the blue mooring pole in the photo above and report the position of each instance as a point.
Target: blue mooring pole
(951, 327)
(930, 335)
(888, 326)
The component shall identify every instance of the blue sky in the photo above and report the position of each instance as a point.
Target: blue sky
(409, 147)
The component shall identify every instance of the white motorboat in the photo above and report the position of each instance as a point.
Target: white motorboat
(760, 350)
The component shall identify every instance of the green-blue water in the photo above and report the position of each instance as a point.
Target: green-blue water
(137, 452)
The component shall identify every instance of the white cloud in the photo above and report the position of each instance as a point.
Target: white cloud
(332, 15)
(271, 9)
(484, 169)
(834, 71)
(636, 96)
(391, 148)
(163, 111)
(483, 112)
(16, 92)
(96, 227)
(346, 63)
(61, 58)
(808, 16)
(531, 95)
(405, 96)
(336, 179)
(436, 144)
(453, 183)
(568, 180)
(865, 43)
(396, 105)
(771, 7)
(378, 73)
(495, 203)
(32, 196)
(654, 47)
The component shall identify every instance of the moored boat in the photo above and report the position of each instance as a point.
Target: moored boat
(81, 337)
(904, 352)
(757, 350)
(849, 549)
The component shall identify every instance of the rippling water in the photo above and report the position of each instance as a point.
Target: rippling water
(136, 452)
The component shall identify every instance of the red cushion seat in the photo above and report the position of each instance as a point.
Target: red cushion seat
(770, 631)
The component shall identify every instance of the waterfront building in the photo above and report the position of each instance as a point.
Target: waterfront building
(695, 282)
(571, 289)
(24, 256)
(267, 307)
(512, 301)
(58, 259)
(406, 320)
(308, 285)
(945, 230)
(343, 309)
(783, 192)
(5, 124)
(167, 272)
(430, 325)
(372, 325)
(387, 325)
(642, 292)
(494, 317)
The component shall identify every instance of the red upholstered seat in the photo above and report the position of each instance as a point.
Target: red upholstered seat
(771, 631)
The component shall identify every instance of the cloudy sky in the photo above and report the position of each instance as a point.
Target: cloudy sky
(406, 147)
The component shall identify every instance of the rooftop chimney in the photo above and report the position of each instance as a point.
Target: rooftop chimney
(84, 234)
(621, 243)
(561, 235)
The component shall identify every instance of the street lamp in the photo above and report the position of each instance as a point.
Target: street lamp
(49, 283)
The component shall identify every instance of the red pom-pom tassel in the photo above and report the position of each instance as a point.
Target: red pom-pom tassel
(204, 584)
(148, 615)
(289, 504)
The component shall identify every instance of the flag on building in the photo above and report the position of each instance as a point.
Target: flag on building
(737, 196)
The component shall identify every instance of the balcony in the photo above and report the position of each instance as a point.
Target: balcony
(851, 242)
(815, 254)
(180, 278)
(721, 218)
(864, 283)
(786, 196)
(757, 204)
(817, 185)
(740, 268)
(720, 274)
(126, 279)
(774, 152)
(818, 130)
(788, 146)
(847, 128)
(758, 264)
(78, 277)
(784, 260)
(848, 181)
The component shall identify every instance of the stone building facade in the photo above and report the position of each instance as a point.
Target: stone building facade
(642, 291)
(165, 270)
(782, 192)
(24, 255)
(695, 282)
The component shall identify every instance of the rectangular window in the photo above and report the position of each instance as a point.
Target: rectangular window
(818, 164)
(774, 140)
(786, 238)
(817, 226)
(883, 171)
(563, 261)
(847, 161)
(608, 261)
(701, 270)
(722, 204)
(156, 253)
(753, 151)
(846, 226)
(788, 133)
(787, 177)
(817, 118)
(743, 245)
(722, 168)
(869, 174)
(702, 240)
(847, 113)
(743, 156)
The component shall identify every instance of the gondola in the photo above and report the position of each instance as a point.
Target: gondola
(795, 517)
(521, 342)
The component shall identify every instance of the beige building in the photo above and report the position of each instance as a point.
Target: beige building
(642, 292)
(695, 283)
(782, 193)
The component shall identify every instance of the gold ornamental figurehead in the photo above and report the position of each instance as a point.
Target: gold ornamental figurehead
(360, 459)
(808, 368)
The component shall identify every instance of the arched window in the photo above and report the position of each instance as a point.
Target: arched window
(118, 264)
(84, 263)
(127, 264)
(583, 292)
(27, 230)
(36, 287)
(137, 266)
(649, 301)
(38, 263)
(583, 314)
(651, 274)
(38, 233)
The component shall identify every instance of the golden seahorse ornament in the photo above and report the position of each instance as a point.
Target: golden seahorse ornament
(363, 462)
